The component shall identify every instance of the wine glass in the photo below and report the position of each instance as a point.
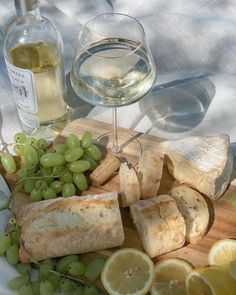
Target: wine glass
(112, 64)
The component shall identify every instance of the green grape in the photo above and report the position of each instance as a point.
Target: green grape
(20, 137)
(94, 268)
(12, 254)
(60, 148)
(57, 186)
(46, 173)
(86, 139)
(78, 291)
(24, 269)
(54, 279)
(90, 290)
(17, 282)
(93, 163)
(31, 156)
(46, 288)
(50, 261)
(36, 195)
(41, 184)
(68, 190)
(73, 141)
(94, 152)
(42, 143)
(44, 270)
(26, 290)
(52, 160)
(31, 140)
(49, 193)
(76, 268)
(62, 264)
(36, 287)
(29, 185)
(19, 149)
(66, 176)
(67, 285)
(5, 243)
(58, 170)
(74, 154)
(15, 237)
(79, 166)
(8, 163)
(80, 181)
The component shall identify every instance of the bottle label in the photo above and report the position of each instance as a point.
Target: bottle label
(29, 120)
(22, 82)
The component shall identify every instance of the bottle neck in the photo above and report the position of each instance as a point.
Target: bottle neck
(27, 7)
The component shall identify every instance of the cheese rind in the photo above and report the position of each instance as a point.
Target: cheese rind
(202, 162)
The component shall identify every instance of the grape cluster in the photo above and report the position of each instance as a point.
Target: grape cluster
(49, 171)
(53, 276)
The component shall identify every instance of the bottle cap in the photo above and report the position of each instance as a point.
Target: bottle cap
(26, 5)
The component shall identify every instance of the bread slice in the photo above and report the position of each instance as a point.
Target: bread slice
(195, 211)
(149, 170)
(159, 223)
(202, 162)
(129, 185)
(66, 226)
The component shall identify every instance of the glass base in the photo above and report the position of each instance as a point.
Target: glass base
(129, 148)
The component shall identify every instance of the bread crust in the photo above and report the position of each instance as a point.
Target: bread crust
(159, 223)
(195, 211)
(149, 171)
(65, 226)
(129, 185)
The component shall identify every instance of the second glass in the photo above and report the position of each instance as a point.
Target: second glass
(112, 65)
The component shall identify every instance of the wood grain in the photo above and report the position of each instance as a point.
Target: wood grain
(222, 214)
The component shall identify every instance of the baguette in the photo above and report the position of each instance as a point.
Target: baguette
(65, 226)
(194, 209)
(149, 171)
(129, 185)
(159, 223)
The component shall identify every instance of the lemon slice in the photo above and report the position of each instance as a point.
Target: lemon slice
(210, 281)
(170, 276)
(222, 253)
(128, 271)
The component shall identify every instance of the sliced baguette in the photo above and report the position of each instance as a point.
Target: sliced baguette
(129, 185)
(159, 223)
(65, 226)
(202, 162)
(149, 171)
(195, 211)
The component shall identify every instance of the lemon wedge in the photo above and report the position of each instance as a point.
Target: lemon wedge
(222, 253)
(170, 276)
(128, 271)
(210, 281)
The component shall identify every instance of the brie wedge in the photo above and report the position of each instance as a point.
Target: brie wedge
(202, 162)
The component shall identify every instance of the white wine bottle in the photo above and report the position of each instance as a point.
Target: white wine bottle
(33, 51)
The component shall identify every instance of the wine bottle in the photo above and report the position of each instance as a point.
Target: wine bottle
(33, 51)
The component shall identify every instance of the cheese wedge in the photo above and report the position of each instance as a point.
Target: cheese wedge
(204, 163)
(159, 223)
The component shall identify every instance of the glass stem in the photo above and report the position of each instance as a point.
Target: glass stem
(115, 146)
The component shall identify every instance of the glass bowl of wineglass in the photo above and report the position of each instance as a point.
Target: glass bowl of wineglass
(112, 65)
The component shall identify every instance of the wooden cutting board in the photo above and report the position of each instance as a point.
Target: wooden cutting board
(222, 214)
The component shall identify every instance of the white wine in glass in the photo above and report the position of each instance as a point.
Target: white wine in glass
(112, 64)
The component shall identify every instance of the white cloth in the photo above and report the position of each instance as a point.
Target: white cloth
(194, 48)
